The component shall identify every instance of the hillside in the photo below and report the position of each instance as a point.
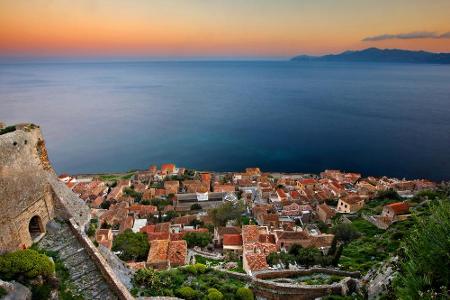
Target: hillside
(381, 55)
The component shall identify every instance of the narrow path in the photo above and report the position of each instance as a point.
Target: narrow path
(84, 274)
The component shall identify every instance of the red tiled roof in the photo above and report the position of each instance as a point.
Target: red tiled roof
(250, 233)
(158, 251)
(256, 262)
(232, 240)
(399, 207)
(177, 253)
(281, 193)
(148, 229)
(155, 236)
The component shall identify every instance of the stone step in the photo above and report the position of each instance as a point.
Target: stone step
(84, 274)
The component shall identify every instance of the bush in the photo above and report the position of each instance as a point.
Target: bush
(186, 292)
(425, 267)
(200, 268)
(28, 263)
(196, 206)
(345, 233)
(7, 129)
(201, 239)
(3, 292)
(244, 293)
(214, 294)
(132, 246)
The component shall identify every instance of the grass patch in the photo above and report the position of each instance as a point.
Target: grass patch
(374, 246)
(115, 177)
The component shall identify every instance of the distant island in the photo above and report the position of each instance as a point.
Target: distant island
(381, 55)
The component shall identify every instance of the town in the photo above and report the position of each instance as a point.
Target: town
(250, 222)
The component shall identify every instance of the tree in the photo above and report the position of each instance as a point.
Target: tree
(226, 212)
(309, 256)
(196, 223)
(196, 206)
(214, 294)
(243, 293)
(425, 264)
(200, 239)
(390, 194)
(25, 263)
(132, 246)
(337, 256)
(187, 292)
(345, 233)
(106, 204)
(169, 215)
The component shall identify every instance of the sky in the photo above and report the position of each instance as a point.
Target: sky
(213, 28)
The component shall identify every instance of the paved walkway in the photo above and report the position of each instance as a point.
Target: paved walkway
(84, 274)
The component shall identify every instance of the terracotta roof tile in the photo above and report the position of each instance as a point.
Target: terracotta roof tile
(232, 240)
(256, 262)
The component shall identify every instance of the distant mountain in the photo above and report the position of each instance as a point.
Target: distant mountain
(381, 55)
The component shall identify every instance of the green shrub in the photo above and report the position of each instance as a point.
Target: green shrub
(28, 263)
(196, 206)
(201, 239)
(132, 246)
(40, 292)
(7, 129)
(200, 268)
(191, 269)
(243, 293)
(3, 292)
(186, 292)
(214, 294)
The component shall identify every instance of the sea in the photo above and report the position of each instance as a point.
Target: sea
(282, 116)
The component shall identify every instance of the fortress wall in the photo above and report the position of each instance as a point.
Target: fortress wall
(24, 191)
(113, 281)
(29, 187)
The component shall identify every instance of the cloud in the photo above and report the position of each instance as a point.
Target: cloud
(408, 36)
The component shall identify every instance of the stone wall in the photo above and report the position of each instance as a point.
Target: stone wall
(113, 281)
(24, 190)
(270, 290)
(29, 187)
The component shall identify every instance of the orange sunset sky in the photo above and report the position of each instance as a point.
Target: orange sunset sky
(252, 28)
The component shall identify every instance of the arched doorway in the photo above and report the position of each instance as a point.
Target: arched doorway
(35, 228)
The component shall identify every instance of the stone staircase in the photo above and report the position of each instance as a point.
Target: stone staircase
(84, 274)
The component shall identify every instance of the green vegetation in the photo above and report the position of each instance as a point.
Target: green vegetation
(372, 247)
(115, 177)
(425, 264)
(195, 282)
(26, 264)
(106, 204)
(345, 233)
(200, 239)
(3, 292)
(244, 293)
(93, 224)
(226, 212)
(208, 261)
(7, 129)
(302, 256)
(132, 246)
(318, 279)
(196, 206)
(129, 191)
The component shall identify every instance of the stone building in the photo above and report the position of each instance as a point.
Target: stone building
(30, 193)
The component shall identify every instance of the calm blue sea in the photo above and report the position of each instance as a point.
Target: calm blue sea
(378, 119)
